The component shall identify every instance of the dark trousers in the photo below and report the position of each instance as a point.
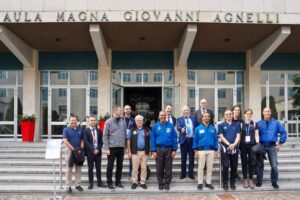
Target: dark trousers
(187, 149)
(272, 156)
(164, 164)
(118, 154)
(91, 160)
(130, 167)
(232, 161)
(247, 160)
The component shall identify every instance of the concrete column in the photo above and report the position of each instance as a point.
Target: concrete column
(31, 92)
(104, 87)
(180, 77)
(253, 87)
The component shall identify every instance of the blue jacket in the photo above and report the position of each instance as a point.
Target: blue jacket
(181, 124)
(270, 134)
(163, 135)
(205, 137)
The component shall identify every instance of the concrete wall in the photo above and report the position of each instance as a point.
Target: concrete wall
(280, 6)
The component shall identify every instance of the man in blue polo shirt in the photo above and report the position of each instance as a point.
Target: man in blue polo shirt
(268, 136)
(73, 139)
(164, 145)
(229, 133)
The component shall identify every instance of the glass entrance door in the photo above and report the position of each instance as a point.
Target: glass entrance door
(171, 95)
(219, 99)
(66, 101)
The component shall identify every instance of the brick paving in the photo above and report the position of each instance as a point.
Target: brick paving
(172, 196)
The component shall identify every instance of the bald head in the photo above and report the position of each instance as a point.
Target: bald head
(267, 113)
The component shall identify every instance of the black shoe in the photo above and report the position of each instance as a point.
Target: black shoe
(210, 186)
(225, 187)
(161, 187)
(275, 186)
(69, 190)
(232, 187)
(133, 186)
(111, 187)
(167, 187)
(119, 185)
(79, 188)
(101, 184)
(192, 177)
(238, 177)
(258, 185)
(200, 186)
(182, 177)
(90, 186)
(144, 186)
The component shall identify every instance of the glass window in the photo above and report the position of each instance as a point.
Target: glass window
(222, 93)
(281, 91)
(62, 92)
(58, 77)
(294, 79)
(3, 92)
(79, 77)
(93, 93)
(93, 110)
(126, 78)
(221, 76)
(8, 77)
(221, 111)
(62, 110)
(275, 78)
(169, 93)
(205, 77)
(240, 78)
(191, 77)
(94, 76)
(170, 77)
(157, 77)
(44, 78)
(291, 92)
(138, 78)
(3, 75)
(44, 94)
(63, 75)
(145, 77)
(192, 93)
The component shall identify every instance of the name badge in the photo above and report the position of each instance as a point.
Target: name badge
(201, 131)
(168, 130)
(127, 131)
(247, 138)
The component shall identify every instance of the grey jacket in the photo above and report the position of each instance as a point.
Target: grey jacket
(114, 133)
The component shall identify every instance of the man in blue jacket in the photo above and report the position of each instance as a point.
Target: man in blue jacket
(164, 146)
(205, 146)
(268, 136)
(186, 125)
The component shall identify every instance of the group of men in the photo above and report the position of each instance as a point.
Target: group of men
(197, 136)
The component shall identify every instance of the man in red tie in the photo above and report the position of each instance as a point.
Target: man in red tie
(93, 143)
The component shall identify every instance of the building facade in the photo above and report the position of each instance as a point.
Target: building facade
(62, 57)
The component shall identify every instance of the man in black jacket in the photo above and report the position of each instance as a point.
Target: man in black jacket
(203, 109)
(93, 143)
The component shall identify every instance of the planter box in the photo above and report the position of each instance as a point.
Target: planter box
(27, 130)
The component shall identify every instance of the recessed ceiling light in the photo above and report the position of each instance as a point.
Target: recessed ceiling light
(57, 39)
(226, 39)
(142, 39)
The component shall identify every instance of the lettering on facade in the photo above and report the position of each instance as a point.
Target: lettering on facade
(140, 16)
(258, 18)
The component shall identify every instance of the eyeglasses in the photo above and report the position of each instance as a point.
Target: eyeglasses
(228, 113)
(248, 113)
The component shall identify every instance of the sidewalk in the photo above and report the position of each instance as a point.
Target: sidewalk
(165, 196)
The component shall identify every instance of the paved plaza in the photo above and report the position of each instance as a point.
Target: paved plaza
(165, 196)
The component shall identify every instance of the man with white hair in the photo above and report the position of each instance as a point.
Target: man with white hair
(138, 142)
(203, 109)
(186, 125)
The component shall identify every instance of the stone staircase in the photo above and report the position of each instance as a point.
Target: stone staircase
(23, 169)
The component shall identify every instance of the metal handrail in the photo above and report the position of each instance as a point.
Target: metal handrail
(296, 117)
(60, 166)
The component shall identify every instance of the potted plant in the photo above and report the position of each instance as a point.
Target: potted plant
(27, 123)
(102, 120)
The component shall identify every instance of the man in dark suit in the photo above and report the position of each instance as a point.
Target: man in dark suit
(169, 117)
(93, 143)
(186, 125)
(203, 109)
